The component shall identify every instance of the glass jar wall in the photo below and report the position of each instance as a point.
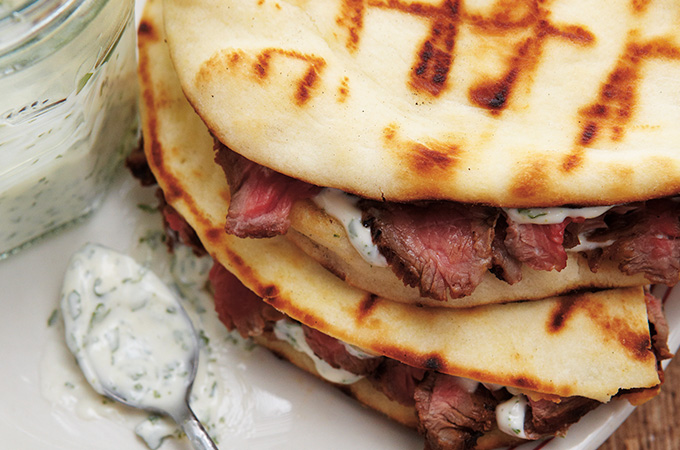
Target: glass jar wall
(68, 110)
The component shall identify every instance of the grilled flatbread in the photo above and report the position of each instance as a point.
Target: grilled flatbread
(587, 344)
(506, 103)
(323, 238)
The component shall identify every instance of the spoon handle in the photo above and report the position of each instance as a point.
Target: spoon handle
(197, 435)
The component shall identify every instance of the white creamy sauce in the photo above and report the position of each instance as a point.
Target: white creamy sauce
(343, 207)
(468, 385)
(229, 406)
(358, 352)
(510, 416)
(291, 332)
(493, 387)
(545, 216)
(59, 155)
(587, 245)
(126, 329)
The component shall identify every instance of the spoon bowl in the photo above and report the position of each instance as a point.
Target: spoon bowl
(131, 337)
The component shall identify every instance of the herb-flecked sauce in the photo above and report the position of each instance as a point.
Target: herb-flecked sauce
(127, 330)
(63, 139)
(223, 397)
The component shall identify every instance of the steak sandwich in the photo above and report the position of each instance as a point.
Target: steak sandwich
(448, 153)
(466, 378)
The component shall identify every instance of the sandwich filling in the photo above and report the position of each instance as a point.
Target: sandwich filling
(451, 412)
(445, 248)
(566, 355)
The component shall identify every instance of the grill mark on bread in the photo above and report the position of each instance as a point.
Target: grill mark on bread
(304, 84)
(609, 115)
(560, 314)
(640, 6)
(351, 17)
(147, 29)
(436, 53)
(366, 307)
(532, 180)
(637, 344)
(425, 159)
(343, 90)
(494, 94)
(505, 15)
(173, 189)
(524, 382)
(225, 63)
(434, 362)
(615, 105)
(435, 56)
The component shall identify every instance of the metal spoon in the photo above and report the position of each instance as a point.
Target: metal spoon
(131, 337)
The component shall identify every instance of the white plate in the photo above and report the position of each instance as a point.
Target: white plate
(295, 410)
(301, 412)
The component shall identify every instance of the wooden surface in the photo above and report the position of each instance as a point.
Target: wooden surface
(656, 424)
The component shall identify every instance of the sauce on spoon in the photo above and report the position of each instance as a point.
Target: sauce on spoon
(130, 336)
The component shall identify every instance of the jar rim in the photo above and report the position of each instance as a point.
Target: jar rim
(24, 21)
(33, 29)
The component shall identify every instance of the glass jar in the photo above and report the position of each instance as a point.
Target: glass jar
(68, 110)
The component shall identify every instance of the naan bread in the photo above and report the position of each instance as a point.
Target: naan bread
(587, 344)
(507, 103)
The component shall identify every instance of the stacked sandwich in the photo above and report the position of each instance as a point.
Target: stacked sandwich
(454, 207)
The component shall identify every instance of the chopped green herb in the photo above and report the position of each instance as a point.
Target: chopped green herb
(100, 312)
(203, 337)
(74, 305)
(83, 81)
(532, 214)
(53, 317)
(147, 208)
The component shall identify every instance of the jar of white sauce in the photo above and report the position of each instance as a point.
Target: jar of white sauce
(68, 110)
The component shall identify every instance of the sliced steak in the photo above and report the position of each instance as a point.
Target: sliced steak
(548, 418)
(439, 248)
(397, 380)
(452, 418)
(177, 229)
(446, 247)
(538, 246)
(238, 307)
(505, 266)
(335, 353)
(646, 241)
(658, 327)
(261, 199)
(137, 164)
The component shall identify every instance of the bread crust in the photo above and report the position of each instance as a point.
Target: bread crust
(517, 104)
